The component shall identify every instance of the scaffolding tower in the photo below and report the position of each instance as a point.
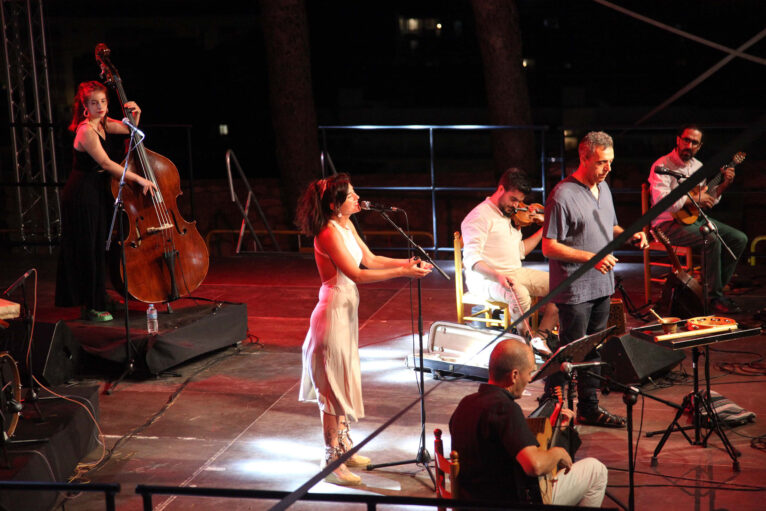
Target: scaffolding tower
(31, 123)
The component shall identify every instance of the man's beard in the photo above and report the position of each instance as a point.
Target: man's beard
(685, 154)
(508, 211)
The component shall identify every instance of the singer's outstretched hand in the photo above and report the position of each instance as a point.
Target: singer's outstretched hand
(413, 270)
(423, 264)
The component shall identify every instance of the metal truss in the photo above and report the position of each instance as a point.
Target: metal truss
(31, 122)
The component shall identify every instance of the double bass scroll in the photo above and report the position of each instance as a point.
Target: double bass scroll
(165, 256)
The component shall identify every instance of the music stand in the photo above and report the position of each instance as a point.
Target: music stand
(574, 352)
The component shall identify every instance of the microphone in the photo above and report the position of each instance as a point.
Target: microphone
(568, 367)
(659, 169)
(371, 206)
(18, 282)
(132, 127)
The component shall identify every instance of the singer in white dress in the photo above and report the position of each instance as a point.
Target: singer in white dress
(331, 372)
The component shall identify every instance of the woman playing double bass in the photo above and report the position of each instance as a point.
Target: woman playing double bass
(86, 201)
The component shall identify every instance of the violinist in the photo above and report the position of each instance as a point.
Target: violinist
(86, 202)
(494, 248)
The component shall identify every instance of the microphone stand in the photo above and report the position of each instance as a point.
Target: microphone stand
(31, 396)
(630, 395)
(706, 229)
(422, 457)
(130, 364)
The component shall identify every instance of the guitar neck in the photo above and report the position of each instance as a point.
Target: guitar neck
(662, 238)
(736, 160)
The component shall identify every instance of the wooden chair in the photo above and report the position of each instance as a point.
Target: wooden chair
(445, 468)
(463, 298)
(683, 253)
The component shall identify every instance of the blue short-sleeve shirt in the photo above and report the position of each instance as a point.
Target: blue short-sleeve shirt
(575, 218)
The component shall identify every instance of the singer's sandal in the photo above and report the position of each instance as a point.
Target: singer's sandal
(345, 443)
(342, 475)
(601, 417)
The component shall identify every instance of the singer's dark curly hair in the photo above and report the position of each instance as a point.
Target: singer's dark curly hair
(314, 209)
(515, 178)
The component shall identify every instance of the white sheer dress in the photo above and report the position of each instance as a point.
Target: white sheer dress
(331, 373)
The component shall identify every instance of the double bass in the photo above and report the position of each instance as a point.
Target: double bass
(165, 256)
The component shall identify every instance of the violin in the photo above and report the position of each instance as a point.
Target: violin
(524, 215)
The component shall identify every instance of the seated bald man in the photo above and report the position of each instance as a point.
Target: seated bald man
(499, 455)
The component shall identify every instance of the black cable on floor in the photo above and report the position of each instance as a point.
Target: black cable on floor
(157, 415)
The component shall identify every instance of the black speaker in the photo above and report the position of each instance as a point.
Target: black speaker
(61, 361)
(56, 355)
(634, 359)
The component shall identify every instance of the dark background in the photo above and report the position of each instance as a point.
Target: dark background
(203, 64)
(193, 66)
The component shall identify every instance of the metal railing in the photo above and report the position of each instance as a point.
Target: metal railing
(245, 210)
(433, 188)
(110, 490)
(371, 501)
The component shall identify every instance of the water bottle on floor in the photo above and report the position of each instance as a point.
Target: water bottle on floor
(152, 325)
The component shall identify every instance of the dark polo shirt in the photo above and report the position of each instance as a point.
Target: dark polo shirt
(488, 430)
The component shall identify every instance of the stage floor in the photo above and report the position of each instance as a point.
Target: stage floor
(235, 420)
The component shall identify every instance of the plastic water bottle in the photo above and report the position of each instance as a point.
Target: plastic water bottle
(151, 320)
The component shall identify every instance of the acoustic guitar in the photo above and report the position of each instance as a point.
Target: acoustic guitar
(689, 214)
(546, 436)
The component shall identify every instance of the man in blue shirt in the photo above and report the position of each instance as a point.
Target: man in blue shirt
(579, 221)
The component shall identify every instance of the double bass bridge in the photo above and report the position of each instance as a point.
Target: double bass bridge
(155, 230)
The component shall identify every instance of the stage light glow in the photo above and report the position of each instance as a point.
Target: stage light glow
(271, 468)
(289, 449)
(370, 366)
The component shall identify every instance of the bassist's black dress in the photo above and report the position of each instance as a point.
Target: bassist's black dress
(86, 205)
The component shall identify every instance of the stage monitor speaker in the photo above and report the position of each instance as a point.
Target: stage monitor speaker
(59, 361)
(635, 360)
(56, 355)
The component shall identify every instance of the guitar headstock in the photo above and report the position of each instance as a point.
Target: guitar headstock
(660, 236)
(738, 158)
(108, 71)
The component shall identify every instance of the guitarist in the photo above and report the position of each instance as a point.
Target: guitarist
(720, 265)
(500, 458)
